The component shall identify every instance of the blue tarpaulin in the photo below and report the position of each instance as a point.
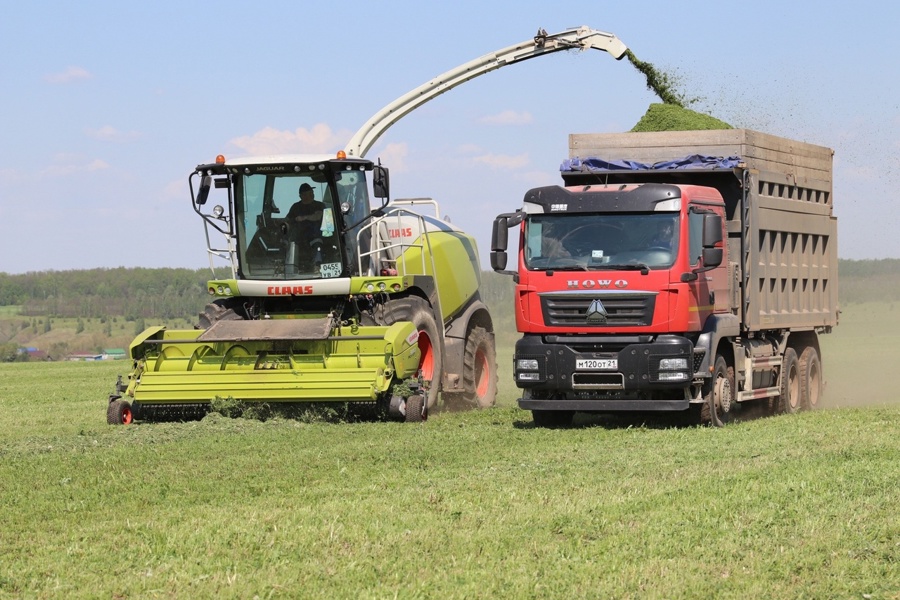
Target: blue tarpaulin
(694, 161)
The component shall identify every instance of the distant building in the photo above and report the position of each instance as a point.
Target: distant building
(34, 353)
(114, 354)
(84, 356)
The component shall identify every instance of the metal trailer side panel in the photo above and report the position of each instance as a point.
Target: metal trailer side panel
(782, 233)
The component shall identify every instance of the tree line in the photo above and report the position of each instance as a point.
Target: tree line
(166, 293)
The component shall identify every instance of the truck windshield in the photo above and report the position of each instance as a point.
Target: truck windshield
(286, 227)
(601, 241)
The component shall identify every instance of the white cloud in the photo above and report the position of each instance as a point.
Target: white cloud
(108, 133)
(508, 117)
(502, 161)
(320, 138)
(70, 75)
(67, 164)
(392, 156)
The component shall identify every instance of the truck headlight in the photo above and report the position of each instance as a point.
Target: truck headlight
(527, 364)
(529, 376)
(672, 364)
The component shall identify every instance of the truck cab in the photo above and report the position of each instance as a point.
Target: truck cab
(614, 284)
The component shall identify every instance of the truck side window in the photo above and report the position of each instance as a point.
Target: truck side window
(695, 234)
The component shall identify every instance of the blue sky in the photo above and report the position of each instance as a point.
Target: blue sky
(108, 106)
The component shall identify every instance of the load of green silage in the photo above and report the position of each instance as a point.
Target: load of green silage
(671, 114)
(670, 117)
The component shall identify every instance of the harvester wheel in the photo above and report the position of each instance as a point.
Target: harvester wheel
(218, 310)
(480, 369)
(811, 383)
(791, 400)
(431, 365)
(119, 413)
(416, 411)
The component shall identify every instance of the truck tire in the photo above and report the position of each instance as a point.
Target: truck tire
(431, 365)
(217, 310)
(791, 399)
(552, 419)
(811, 383)
(718, 391)
(480, 369)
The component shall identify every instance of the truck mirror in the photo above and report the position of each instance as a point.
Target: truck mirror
(499, 236)
(203, 192)
(381, 182)
(712, 257)
(498, 259)
(712, 230)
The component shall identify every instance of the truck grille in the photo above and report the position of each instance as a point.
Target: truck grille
(619, 309)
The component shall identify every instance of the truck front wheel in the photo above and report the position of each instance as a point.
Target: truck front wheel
(718, 393)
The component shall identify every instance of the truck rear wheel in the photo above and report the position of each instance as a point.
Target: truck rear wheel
(811, 383)
(480, 369)
(431, 365)
(791, 398)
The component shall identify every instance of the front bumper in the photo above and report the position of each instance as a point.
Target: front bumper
(651, 373)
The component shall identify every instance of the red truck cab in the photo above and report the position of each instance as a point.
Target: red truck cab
(614, 287)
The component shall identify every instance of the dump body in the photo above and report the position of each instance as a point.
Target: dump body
(675, 270)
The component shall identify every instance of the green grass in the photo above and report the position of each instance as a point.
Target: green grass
(467, 505)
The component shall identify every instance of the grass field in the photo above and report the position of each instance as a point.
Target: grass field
(467, 505)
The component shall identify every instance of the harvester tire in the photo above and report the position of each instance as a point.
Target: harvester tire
(480, 369)
(811, 383)
(119, 413)
(431, 365)
(218, 310)
(791, 400)
(416, 411)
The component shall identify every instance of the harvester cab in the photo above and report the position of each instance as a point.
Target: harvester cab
(288, 218)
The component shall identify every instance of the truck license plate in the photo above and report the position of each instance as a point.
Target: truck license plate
(596, 364)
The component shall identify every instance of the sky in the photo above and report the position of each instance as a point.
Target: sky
(107, 107)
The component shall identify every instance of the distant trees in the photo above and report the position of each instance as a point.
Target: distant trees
(101, 293)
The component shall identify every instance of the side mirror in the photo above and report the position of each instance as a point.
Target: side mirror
(499, 235)
(712, 230)
(712, 235)
(203, 193)
(500, 239)
(381, 182)
(711, 257)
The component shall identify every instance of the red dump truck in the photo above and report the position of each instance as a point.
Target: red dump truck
(674, 271)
